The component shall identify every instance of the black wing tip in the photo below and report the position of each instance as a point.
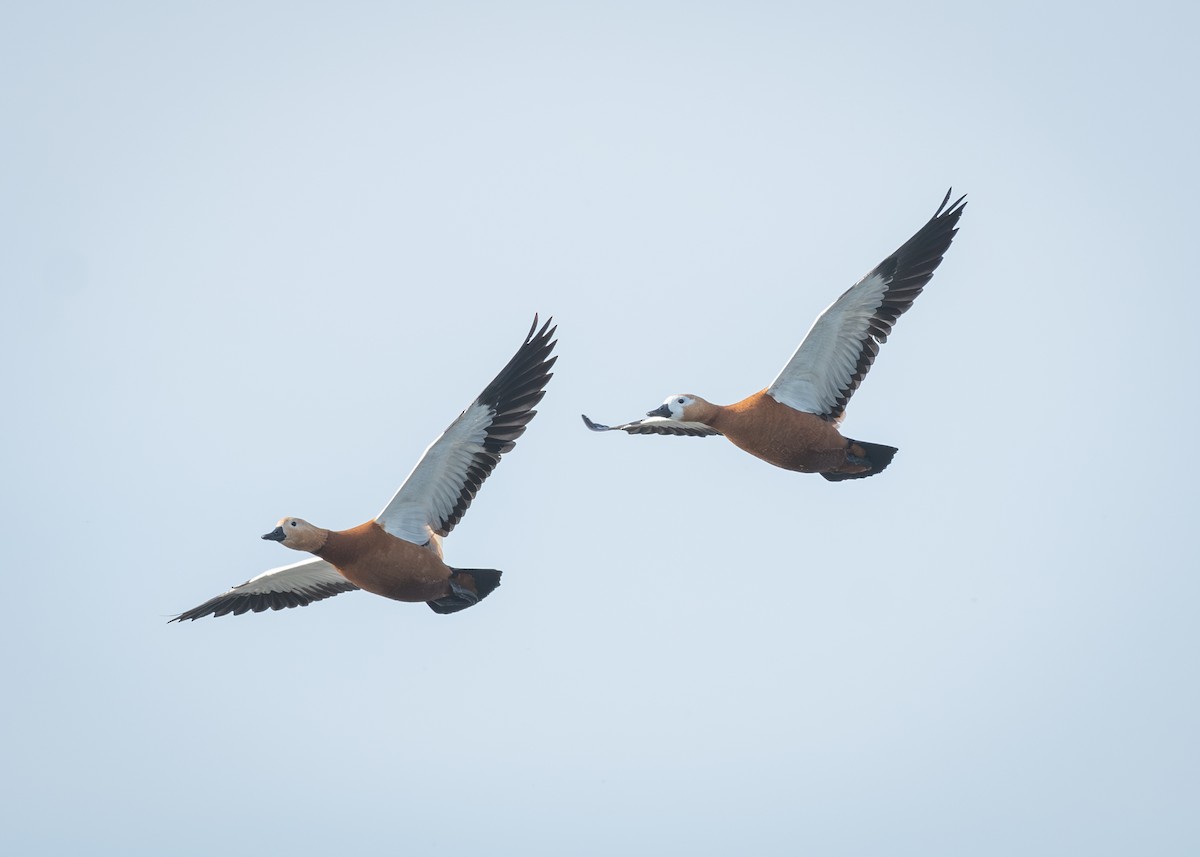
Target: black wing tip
(238, 607)
(955, 208)
(527, 371)
(545, 333)
(194, 614)
(914, 261)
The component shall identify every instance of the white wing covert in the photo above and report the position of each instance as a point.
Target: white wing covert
(842, 344)
(439, 490)
(295, 585)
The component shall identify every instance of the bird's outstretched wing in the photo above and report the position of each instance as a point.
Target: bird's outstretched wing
(841, 346)
(655, 425)
(295, 585)
(441, 487)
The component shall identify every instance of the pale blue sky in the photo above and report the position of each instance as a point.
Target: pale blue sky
(255, 257)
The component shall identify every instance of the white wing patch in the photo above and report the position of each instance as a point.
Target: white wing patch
(296, 577)
(826, 360)
(431, 491)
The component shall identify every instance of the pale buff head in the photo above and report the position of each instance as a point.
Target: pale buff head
(684, 407)
(298, 534)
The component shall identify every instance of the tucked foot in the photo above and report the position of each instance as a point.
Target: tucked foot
(462, 593)
(862, 460)
(468, 586)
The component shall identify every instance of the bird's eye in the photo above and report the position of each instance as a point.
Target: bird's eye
(293, 523)
(681, 401)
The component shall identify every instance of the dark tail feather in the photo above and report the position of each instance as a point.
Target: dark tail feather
(468, 586)
(879, 455)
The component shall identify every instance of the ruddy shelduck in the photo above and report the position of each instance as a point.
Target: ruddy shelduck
(399, 553)
(793, 423)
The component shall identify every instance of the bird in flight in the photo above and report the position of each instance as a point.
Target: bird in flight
(399, 553)
(793, 423)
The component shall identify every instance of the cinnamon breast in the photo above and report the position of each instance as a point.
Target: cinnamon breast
(783, 436)
(378, 562)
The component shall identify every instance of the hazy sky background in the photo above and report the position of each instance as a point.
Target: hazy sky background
(256, 256)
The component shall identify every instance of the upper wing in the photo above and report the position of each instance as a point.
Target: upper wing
(441, 487)
(295, 585)
(655, 425)
(841, 346)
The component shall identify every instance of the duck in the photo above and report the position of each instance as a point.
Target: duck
(794, 422)
(398, 554)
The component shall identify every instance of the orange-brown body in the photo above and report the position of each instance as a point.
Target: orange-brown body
(780, 435)
(378, 562)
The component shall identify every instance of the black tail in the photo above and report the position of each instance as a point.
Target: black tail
(468, 586)
(879, 455)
